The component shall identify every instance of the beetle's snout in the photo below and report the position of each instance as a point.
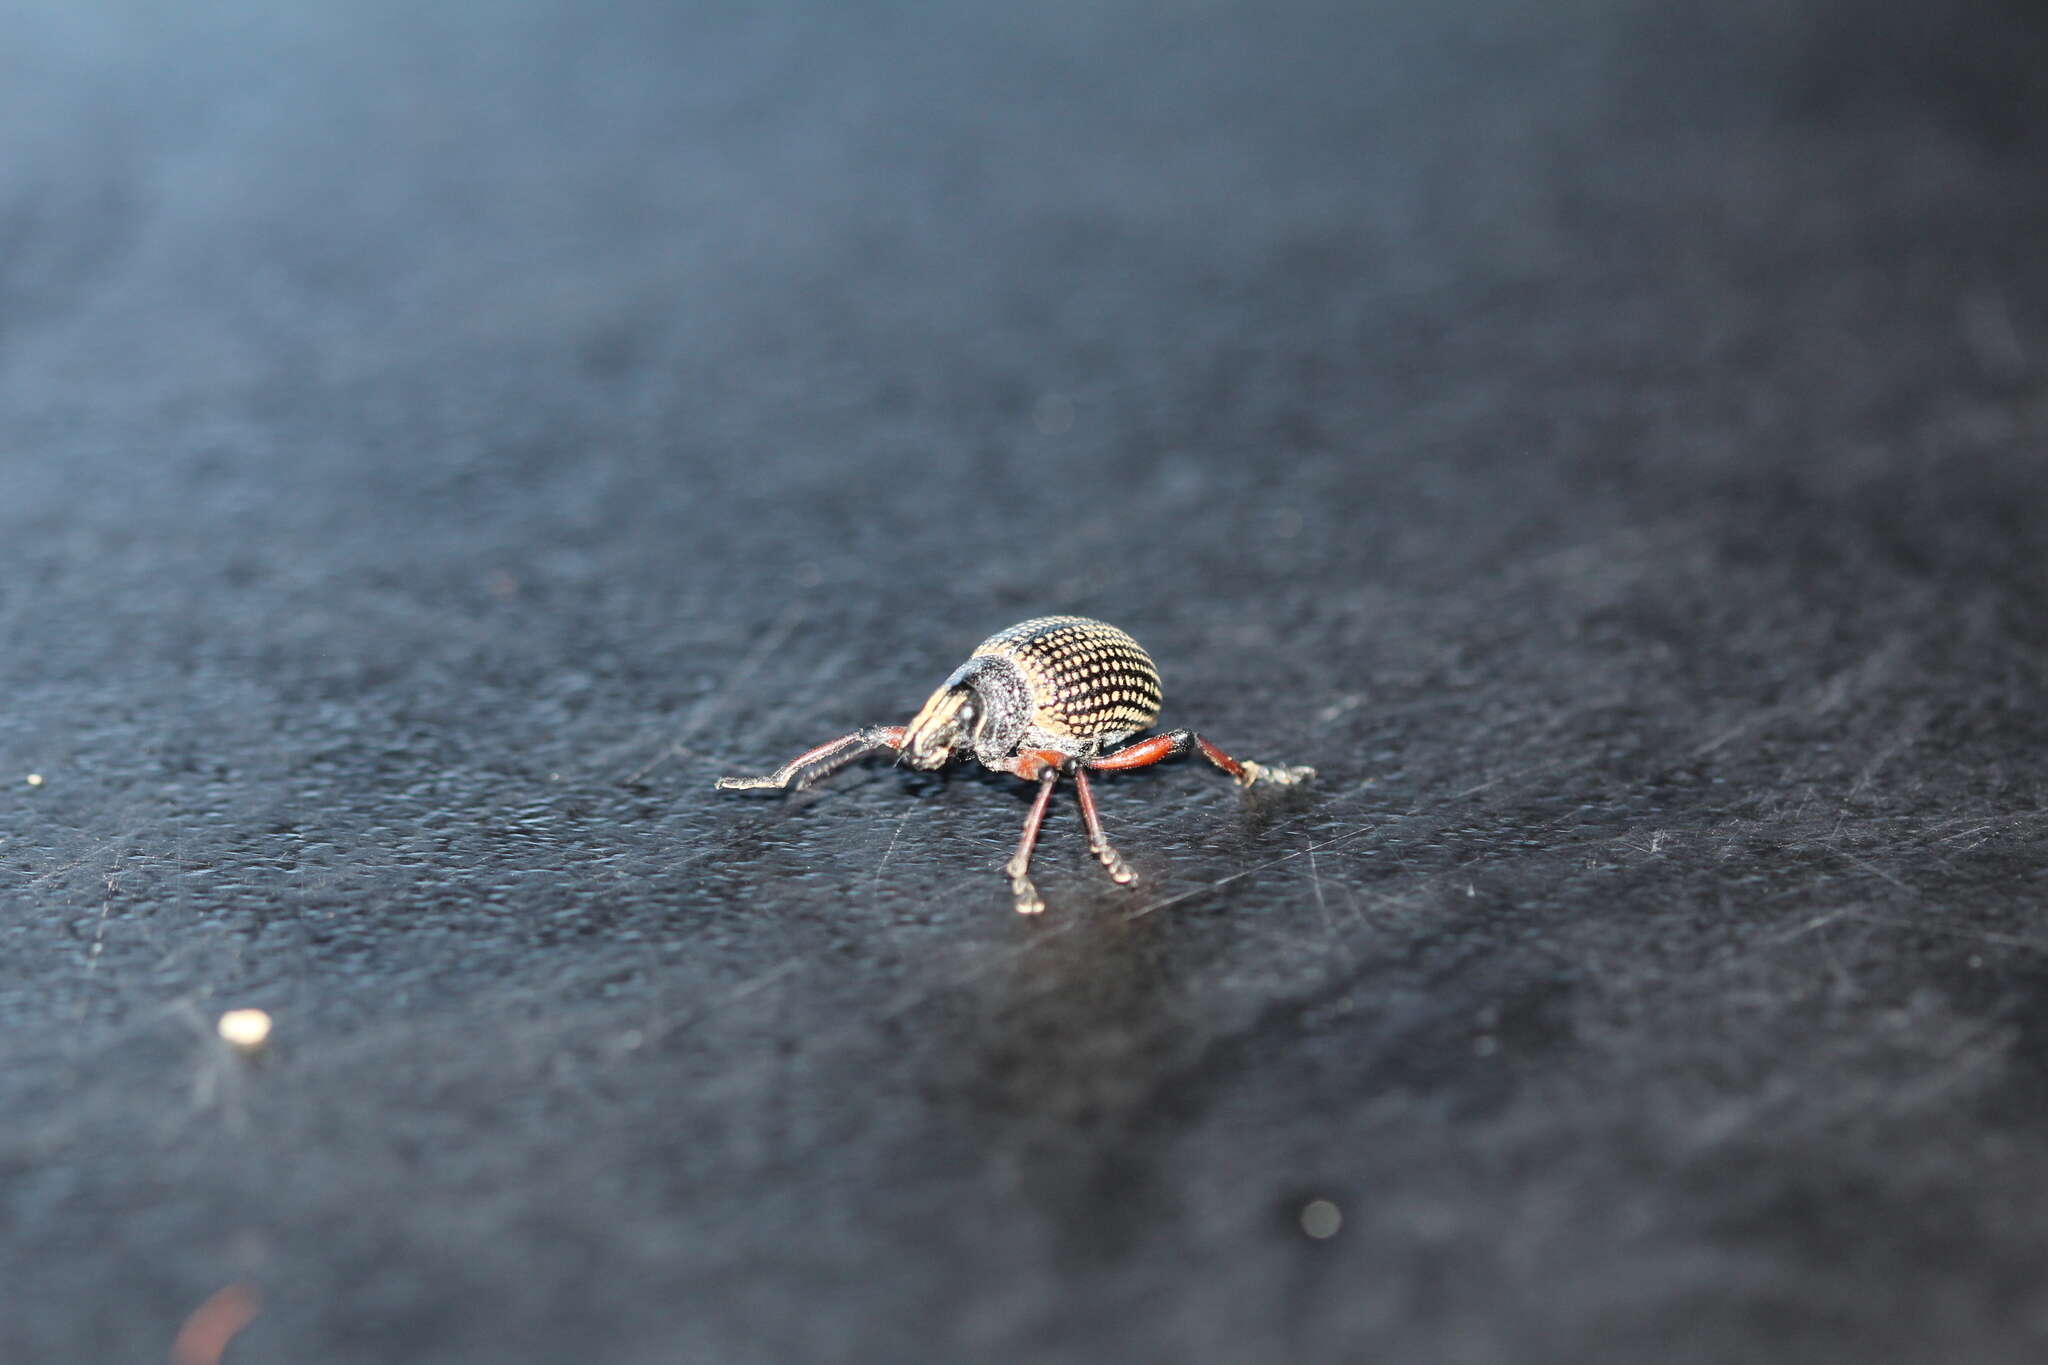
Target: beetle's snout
(941, 729)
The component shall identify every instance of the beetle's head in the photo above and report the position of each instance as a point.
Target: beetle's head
(943, 729)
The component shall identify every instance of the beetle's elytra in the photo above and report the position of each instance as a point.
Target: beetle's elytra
(1047, 698)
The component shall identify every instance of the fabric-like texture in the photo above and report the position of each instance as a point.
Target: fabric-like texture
(1603, 438)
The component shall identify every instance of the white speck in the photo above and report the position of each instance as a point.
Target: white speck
(1321, 1219)
(35, 779)
(245, 1030)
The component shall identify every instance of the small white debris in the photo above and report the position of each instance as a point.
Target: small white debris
(1320, 1219)
(35, 779)
(245, 1030)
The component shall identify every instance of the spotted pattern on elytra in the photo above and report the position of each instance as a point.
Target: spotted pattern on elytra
(1092, 680)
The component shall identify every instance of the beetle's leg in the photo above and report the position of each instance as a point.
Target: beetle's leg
(1249, 773)
(808, 767)
(1019, 865)
(1112, 861)
(1146, 752)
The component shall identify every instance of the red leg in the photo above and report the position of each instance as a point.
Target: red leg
(1146, 752)
(1222, 760)
(1028, 902)
(813, 764)
(1111, 860)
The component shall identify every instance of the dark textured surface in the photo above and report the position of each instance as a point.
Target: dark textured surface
(1604, 439)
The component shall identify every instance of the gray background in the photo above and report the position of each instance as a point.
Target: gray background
(1602, 437)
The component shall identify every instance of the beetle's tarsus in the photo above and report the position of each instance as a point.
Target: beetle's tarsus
(1098, 842)
(1278, 775)
(742, 784)
(1114, 864)
(1028, 900)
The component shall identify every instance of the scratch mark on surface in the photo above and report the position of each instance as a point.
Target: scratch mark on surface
(1818, 922)
(789, 966)
(1322, 906)
(1818, 700)
(38, 878)
(786, 967)
(1874, 870)
(1241, 873)
(708, 706)
(816, 683)
(99, 937)
(1907, 733)
(875, 886)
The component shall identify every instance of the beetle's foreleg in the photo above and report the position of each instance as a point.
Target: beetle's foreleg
(808, 767)
(1112, 861)
(1146, 752)
(1019, 866)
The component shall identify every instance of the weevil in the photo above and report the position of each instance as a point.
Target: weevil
(1052, 697)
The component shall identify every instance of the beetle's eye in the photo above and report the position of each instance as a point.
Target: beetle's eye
(969, 717)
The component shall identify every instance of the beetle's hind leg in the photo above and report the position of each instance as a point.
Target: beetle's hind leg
(1112, 861)
(813, 764)
(1146, 752)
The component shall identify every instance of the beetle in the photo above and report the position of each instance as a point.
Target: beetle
(1052, 697)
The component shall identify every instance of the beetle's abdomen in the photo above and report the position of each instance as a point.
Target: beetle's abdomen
(1088, 681)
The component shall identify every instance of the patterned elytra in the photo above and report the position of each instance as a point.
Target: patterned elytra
(1090, 681)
